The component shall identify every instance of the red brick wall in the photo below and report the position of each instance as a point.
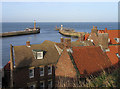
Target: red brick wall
(64, 66)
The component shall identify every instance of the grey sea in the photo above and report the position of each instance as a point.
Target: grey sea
(47, 32)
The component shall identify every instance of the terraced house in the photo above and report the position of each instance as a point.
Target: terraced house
(34, 65)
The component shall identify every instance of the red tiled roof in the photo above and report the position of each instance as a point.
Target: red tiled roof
(112, 53)
(113, 34)
(90, 59)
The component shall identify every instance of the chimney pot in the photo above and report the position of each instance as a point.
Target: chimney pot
(62, 39)
(28, 43)
(67, 42)
(93, 26)
(105, 30)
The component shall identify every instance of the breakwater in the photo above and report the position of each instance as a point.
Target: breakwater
(70, 32)
(18, 33)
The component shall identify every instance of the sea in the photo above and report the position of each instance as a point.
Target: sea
(47, 32)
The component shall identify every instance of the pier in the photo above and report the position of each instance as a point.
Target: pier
(70, 32)
(27, 31)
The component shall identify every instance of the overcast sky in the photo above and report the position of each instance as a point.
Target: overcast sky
(60, 11)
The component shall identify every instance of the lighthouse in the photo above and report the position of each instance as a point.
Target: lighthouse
(34, 25)
(61, 27)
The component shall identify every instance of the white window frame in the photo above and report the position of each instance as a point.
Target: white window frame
(41, 53)
(40, 71)
(50, 84)
(43, 84)
(50, 69)
(32, 73)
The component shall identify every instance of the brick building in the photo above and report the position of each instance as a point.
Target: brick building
(34, 65)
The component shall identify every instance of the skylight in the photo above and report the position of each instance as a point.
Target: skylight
(118, 55)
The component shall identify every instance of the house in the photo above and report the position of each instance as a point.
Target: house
(6, 78)
(98, 39)
(34, 65)
(79, 62)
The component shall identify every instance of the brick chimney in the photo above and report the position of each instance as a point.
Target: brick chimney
(94, 30)
(62, 40)
(28, 43)
(67, 42)
(103, 40)
(105, 30)
(80, 38)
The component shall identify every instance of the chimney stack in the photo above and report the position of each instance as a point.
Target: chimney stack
(94, 30)
(103, 40)
(105, 30)
(80, 38)
(28, 43)
(62, 40)
(67, 42)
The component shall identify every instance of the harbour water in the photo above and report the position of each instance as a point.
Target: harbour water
(47, 32)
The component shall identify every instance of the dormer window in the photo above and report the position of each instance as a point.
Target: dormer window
(38, 54)
(118, 55)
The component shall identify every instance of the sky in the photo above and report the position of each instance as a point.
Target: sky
(60, 11)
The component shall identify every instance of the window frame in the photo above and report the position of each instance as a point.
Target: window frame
(32, 73)
(43, 84)
(41, 53)
(50, 69)
(33, 86)
(51, 85)
(40, 70)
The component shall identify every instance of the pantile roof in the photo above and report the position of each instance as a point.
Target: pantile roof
(113, 49)
(90, 59)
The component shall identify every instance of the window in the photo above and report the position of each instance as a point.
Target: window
(42, 84)
(49, 83)
(32, 86)
(117, 40)
(118, 55)
(39, 55)
(31, 73)
(41, 71)
(49, 69)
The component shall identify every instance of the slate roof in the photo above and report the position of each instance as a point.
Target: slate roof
(90, 59)
(24, 56)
